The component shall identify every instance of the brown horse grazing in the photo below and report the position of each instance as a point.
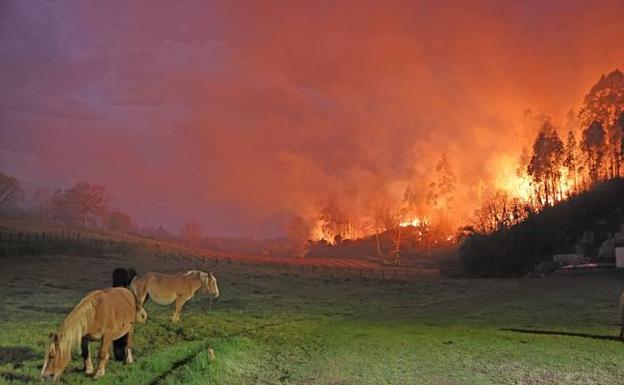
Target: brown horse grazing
(103, 315)
(165, 289)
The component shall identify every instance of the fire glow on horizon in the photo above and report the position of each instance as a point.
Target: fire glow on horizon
(244, 117)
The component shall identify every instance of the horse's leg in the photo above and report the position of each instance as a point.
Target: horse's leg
(104, 355)
(129, 341)
(119, 349)
(622, 333)
(86, 355)
(179, 303)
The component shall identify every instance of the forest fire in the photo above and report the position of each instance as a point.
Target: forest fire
(428, 211)
(415, 222)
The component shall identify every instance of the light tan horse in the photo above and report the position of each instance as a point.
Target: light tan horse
(165, 289)
(104, 315)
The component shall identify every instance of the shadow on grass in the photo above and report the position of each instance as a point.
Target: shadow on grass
(9, 376)
(16, 355)
(560, 333)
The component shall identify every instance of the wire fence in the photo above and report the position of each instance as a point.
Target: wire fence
(23, 243)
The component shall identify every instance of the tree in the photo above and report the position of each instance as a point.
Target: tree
(499, 212)
(191, 233)
(442, 188)
(604, 104)
(594, 148)
(86, 199)
(119, 221)
(570, 159)
(375, 218)
(393, 224)
(544, 168)
(334, 223)
(10, 190)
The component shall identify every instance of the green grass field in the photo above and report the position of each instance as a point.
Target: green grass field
(283, 329)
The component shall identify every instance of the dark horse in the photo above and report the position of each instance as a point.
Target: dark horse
(122, 278)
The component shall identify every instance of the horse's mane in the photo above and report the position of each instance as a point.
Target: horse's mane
(75, 324)
(206, 278)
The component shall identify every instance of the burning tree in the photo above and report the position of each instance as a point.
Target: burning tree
(441, 189)
(334, 223)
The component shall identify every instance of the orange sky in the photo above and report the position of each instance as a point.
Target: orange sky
(241, 114)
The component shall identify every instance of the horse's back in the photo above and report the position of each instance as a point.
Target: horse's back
(162, 288)
(117, 303)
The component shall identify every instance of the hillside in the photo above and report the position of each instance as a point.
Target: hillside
(578, 225)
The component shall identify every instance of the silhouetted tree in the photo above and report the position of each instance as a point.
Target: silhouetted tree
(544, 168)
(10, 190)
(604, 103)
(499, 211)
(594, 148)
(119, 221)
(376, 212)
(570, 160)
(79, 203)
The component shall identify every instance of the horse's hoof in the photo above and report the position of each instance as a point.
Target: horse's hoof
(98, 374)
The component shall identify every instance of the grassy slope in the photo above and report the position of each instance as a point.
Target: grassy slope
(286, 330)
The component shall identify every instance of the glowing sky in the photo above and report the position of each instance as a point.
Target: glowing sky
(238, 114)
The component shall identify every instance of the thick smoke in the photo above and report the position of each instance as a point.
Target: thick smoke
(242, 114)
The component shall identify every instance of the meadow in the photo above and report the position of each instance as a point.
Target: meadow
(281, 328)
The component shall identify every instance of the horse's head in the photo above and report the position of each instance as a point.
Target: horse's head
(55, 361)
(210, 284)
(141, 315)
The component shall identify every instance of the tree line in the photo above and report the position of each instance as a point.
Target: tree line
(557, 167)
(84, 205)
